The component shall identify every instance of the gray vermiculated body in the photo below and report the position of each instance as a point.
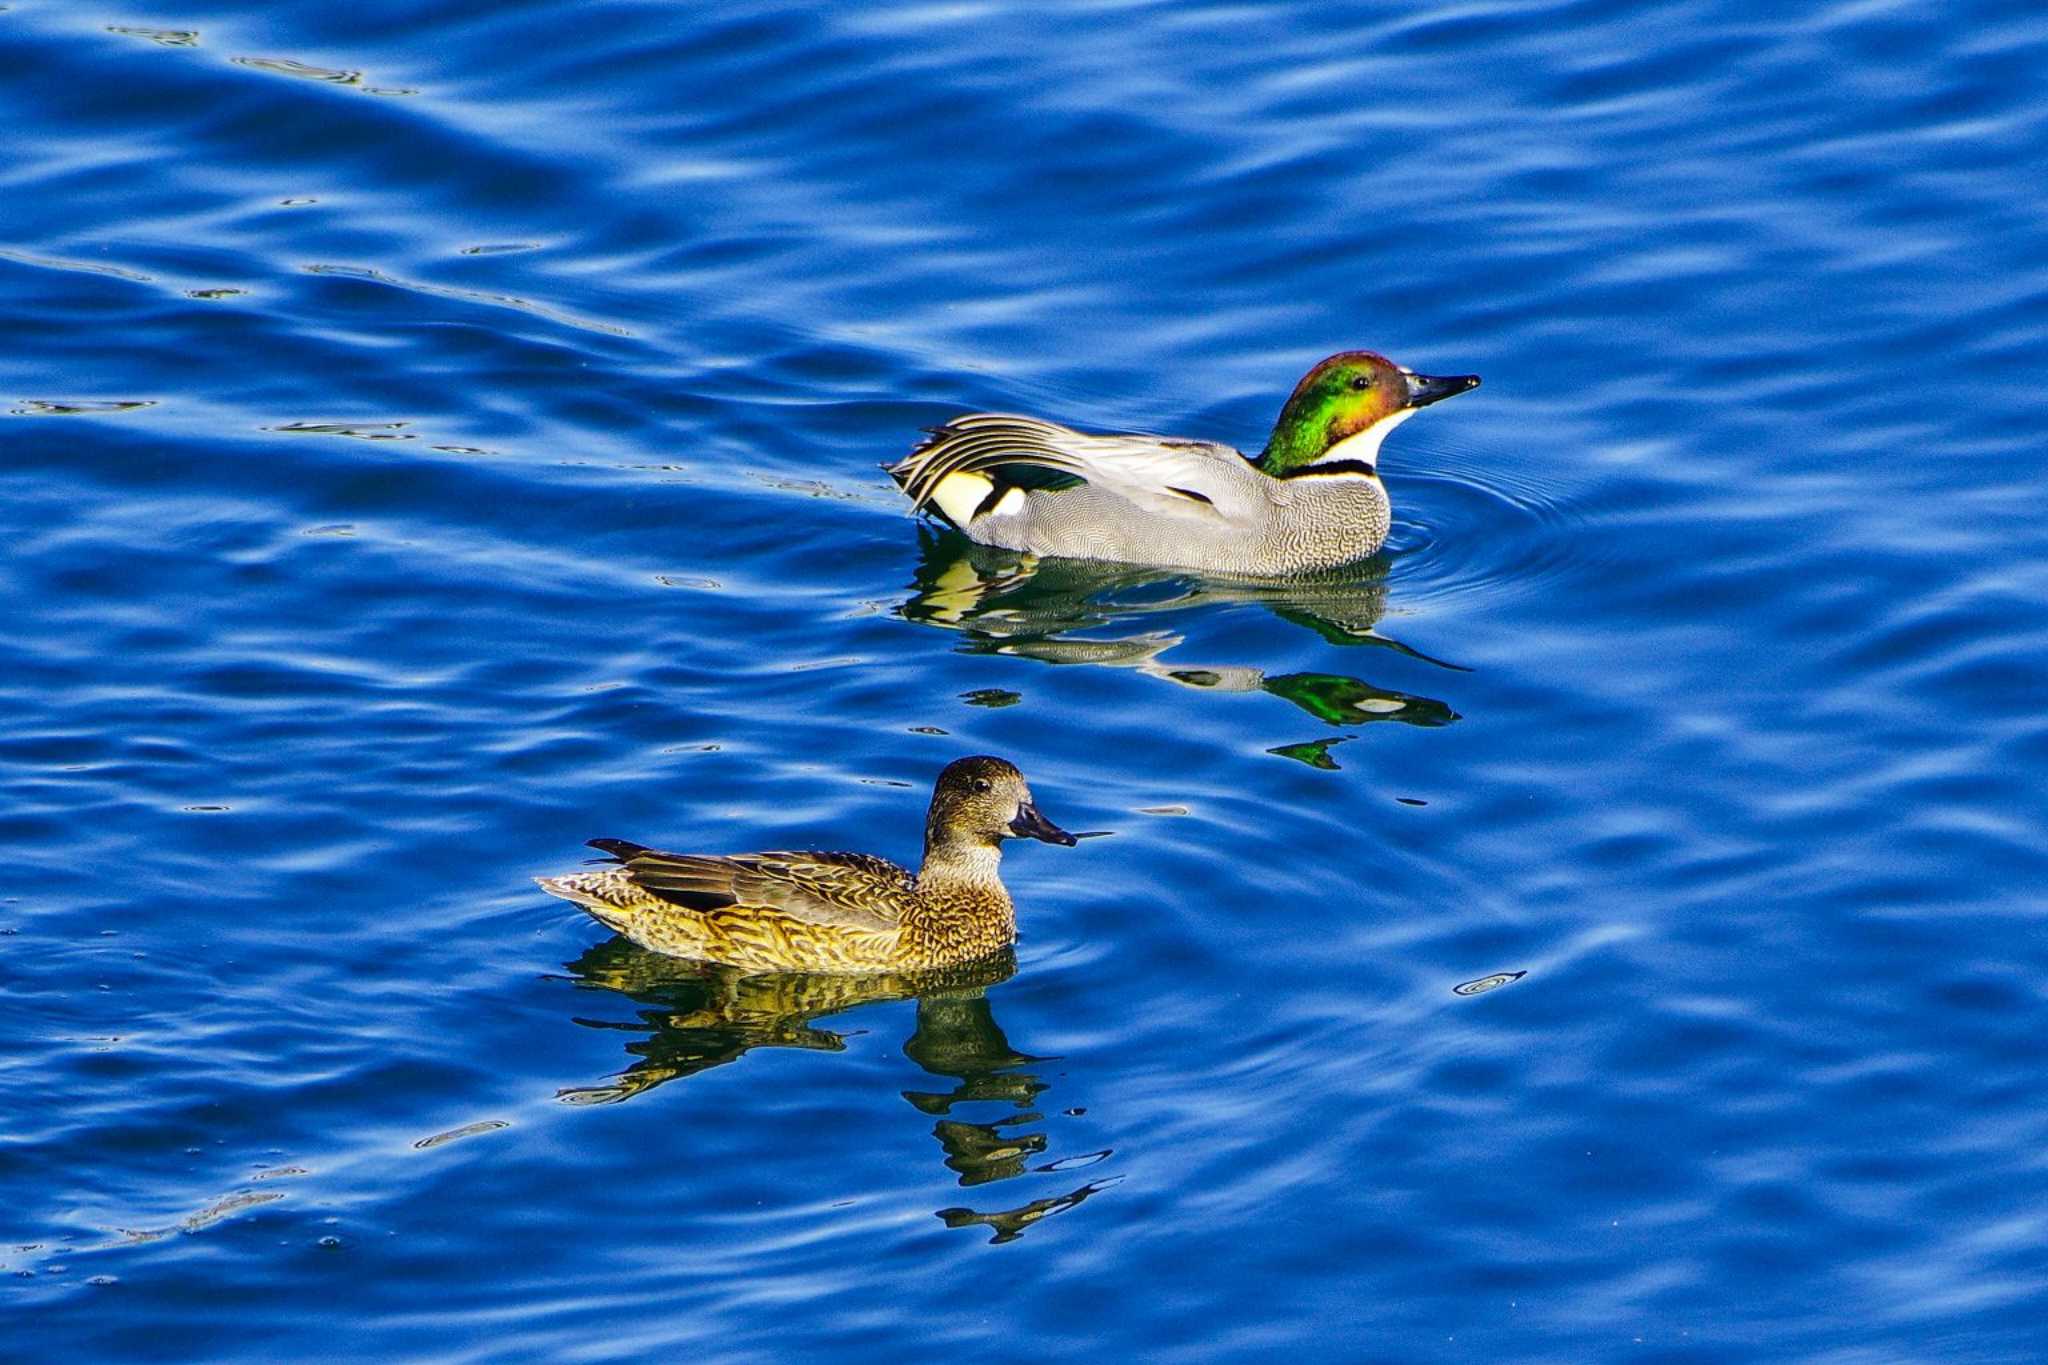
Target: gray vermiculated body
(1325, 521)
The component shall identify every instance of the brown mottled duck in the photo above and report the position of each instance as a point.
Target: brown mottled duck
(830, 912)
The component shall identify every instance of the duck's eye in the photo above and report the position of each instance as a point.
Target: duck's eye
(982, 784)
(1361, 382)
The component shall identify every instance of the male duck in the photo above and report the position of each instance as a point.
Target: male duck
(1311, 500)
(830, 912)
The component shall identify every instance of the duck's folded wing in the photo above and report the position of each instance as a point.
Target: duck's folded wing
(1198, 480)
(845, 890)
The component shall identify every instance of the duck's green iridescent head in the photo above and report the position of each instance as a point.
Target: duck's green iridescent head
(1343, 408)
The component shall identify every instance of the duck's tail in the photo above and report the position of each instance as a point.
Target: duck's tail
(965, 467)
(601, 893)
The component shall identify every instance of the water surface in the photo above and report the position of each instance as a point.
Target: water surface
(436, 434)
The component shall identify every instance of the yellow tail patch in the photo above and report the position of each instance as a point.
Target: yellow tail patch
(957, 495)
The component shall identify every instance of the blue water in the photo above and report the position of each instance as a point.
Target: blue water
(437, 433)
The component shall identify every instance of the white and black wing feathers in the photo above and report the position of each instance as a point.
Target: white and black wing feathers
(1196, 479)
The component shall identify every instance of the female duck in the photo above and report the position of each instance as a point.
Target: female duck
(1311, 500)
(830, 912)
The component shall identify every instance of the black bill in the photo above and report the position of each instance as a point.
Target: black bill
(1032, 825)
(1424, 389)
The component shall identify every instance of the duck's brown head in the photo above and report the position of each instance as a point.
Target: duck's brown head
(983, 801)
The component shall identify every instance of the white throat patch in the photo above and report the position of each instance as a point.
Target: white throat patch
(1364, 446)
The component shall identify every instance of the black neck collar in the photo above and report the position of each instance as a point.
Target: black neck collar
(1333, 467)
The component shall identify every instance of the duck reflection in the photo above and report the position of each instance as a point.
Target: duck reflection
(1005, 603)
(701, 1015)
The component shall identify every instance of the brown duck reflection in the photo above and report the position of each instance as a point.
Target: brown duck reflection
(701, 1015)
(1055, 610)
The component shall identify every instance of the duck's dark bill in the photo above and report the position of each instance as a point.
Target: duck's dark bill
(1424, 389)
(1031, 825)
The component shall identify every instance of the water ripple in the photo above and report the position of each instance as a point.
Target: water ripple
(1690, 722)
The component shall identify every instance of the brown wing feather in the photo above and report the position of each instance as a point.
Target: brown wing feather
(844, 890)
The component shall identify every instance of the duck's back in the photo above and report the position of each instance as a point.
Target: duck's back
(759, 911)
